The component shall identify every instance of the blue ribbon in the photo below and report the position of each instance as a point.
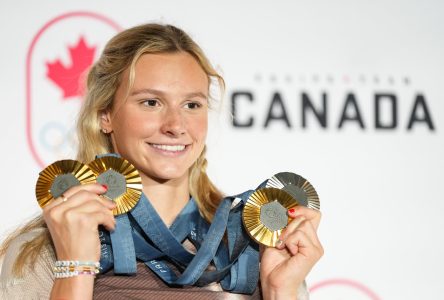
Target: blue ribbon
(237, 263)
(141, 235)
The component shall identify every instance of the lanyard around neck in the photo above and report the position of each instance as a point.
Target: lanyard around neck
(141, 233)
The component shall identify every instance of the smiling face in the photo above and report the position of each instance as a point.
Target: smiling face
(162, 125)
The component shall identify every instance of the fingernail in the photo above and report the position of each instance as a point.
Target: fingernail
(279, 243)
(291, 210)
(105, 187)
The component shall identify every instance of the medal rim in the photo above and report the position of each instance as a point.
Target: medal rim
(300, 182)
(251, 214)
(65, 166)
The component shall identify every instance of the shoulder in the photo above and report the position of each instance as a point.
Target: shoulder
(35, 279)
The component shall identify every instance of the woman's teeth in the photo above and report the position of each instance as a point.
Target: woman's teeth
(172, 148)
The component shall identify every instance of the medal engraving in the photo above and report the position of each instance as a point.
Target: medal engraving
(115, 182)
(273, 216)
(62, 183)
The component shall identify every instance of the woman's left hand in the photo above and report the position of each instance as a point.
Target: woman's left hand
(284, 268)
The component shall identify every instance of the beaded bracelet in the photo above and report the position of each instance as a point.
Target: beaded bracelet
(71, 268)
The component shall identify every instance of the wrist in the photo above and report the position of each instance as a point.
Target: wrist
(281, 291)
(78, 287)
(279, 295)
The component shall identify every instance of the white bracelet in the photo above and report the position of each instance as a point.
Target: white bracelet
(71, 268)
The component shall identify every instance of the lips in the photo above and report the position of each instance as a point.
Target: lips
(170, 148)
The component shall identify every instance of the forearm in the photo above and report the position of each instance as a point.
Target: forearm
(72, 288)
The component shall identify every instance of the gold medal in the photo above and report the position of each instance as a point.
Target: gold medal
(122, 179)
(297, 186)
(265, 214)
(58, 177)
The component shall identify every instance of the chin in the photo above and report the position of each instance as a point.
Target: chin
(169, 174)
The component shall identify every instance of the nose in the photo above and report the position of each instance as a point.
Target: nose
(173, 124)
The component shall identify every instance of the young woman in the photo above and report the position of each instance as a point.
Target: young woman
(147, 100)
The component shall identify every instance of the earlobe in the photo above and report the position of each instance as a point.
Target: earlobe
(105, 122)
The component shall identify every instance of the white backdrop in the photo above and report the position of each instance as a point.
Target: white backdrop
(379, 188)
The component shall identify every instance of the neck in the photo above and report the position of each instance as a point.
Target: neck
(167, 197)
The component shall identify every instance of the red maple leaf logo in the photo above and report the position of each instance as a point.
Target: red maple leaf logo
(69, 78)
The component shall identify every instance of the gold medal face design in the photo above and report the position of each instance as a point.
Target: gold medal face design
(58, 177)
(122, 179)
(297, 186)
(265, 214)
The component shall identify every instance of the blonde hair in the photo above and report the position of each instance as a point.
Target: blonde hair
(121, 53)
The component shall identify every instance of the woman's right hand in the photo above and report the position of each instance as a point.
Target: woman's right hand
(73, 223)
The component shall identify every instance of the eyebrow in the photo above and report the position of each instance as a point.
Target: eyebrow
(162, 94)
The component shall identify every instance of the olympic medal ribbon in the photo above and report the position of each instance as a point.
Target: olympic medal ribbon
(124, 253)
